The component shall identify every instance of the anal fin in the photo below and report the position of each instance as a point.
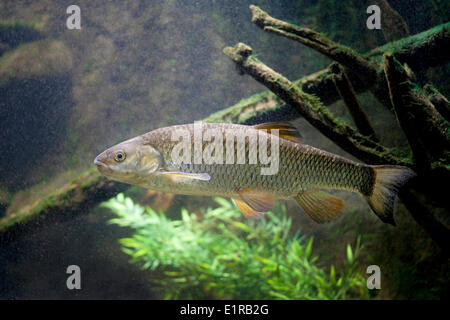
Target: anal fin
(320, 206)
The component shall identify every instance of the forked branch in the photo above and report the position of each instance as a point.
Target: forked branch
(367, 71)
(425, 129)
(312, 109)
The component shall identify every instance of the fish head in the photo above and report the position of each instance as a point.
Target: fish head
(132, 161)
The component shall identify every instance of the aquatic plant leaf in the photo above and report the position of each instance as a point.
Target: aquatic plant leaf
(349, 254)
(332, 274)
(309, 248)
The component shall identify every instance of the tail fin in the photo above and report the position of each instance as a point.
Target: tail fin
(388, 181)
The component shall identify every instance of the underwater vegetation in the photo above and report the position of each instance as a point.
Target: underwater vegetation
(219, 255)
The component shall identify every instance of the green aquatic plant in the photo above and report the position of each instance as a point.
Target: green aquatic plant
(221, 255)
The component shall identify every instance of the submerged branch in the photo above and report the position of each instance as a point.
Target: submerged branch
(81, 194)
(312, 109)
(348, 95)
(425, 129)
(367, 72)
(419, 52)
(439, 101)
(337, 52)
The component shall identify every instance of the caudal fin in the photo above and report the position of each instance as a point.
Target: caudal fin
(388, 181)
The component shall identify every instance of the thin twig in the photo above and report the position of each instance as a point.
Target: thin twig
(348, 95)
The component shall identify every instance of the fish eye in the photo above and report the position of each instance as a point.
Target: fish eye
(119, 156)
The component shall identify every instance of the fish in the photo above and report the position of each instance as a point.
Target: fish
(301, 172)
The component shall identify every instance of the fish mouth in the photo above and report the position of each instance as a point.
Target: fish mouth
(100, 164)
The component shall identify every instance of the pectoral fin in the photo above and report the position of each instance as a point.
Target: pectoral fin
(253, 203)
(319, 205)
(177, 175)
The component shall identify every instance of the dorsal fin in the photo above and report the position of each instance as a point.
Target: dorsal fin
(285, 130)
(319, 205)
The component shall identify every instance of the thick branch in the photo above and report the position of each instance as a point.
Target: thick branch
(348, 95)
(367, 71)
(419, 52)
(342, 54)
(360, 68)
(311, 109)
(427, 201)
(425, 130)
